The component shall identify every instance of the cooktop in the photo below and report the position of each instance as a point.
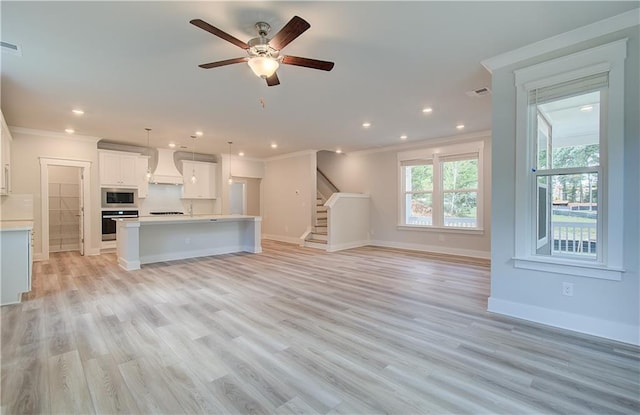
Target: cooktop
(166, 213)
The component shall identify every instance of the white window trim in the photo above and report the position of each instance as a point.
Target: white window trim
(441, 153)
(609, 57)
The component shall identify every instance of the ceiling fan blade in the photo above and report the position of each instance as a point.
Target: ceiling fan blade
(222, 35)
(223, 63)
(308, 63)
(273, 80)
(294, 28)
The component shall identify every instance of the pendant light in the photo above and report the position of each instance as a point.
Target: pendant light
(230, 179)
(147, 175)
(194, 179)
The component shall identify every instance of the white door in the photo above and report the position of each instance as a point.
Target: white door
(237, 197)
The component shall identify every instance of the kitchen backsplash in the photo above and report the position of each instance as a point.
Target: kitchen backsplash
(16, 207)
(166, 197)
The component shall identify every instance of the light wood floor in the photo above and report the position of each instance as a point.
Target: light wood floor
(294, 330)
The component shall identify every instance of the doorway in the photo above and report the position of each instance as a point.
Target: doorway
(65, 185)
(238, 197)
(65, 207)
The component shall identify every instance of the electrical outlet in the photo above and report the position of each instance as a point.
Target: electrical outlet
(567, 289)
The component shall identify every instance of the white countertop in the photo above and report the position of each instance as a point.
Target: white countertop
(16, 225)
(189, 218)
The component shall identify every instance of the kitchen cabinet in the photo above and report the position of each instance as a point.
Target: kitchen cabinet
(5, 158)
(142, 165)
(118, 169)
(205, 186)
(16, 240)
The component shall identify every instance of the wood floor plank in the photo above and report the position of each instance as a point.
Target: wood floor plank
(295, 330)
(108, 390)
(69, 390)
(145, 382)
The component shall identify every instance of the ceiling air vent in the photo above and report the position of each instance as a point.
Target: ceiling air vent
(480, 92)
(10, 48)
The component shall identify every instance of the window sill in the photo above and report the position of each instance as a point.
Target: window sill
(441, 229)
(569, 267)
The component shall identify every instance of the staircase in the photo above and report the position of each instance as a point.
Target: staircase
(318, 236)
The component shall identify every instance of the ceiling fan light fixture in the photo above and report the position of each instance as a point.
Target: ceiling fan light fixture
(263, 66)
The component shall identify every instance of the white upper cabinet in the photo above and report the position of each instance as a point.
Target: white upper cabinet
(118, 169)
(5, 156)
(205, 185)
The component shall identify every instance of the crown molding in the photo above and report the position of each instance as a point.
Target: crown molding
(453, 139)
(296, 154)
(581, 34)
(52, 134)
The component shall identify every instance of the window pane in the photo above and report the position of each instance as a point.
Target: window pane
(418, 209)
(460, 174)
(419, 178)
(574, 215)
(572, 134)
(460, 209)
(544, 143)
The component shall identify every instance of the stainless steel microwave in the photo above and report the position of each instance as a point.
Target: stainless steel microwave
(119, 198)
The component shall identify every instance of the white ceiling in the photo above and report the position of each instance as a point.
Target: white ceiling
(131, 65)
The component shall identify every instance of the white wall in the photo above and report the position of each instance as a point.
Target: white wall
(348, 221)
(27, 148)
(376, 173)
(288, 196)
(240, 167)
(601, 307)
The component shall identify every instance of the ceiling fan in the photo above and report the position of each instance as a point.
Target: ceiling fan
(264, 56)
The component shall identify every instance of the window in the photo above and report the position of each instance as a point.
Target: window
(441, 187)
(569, 163)
(565, 124)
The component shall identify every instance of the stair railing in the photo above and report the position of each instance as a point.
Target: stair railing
(334, 188)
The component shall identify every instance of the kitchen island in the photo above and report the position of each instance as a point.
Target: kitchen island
(146, 240)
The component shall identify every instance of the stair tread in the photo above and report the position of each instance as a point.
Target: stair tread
(317, 241)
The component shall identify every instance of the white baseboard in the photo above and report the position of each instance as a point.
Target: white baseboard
(626, 333)
(282, 238)
(472, 253)
(347, 245)
(92, 252)
(128, 265)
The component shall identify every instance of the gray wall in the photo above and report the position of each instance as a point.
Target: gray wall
(288, 196)
(603, 306)
(376, 173)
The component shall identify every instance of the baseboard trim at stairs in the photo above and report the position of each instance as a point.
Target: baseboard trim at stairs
(347, 245)
(316, 245)
(282, 238)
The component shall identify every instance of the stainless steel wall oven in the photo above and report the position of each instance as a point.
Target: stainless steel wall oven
(109, 225)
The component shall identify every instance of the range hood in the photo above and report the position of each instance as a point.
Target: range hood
(166, 171)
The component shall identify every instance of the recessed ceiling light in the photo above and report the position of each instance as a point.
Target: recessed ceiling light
(586, 108)
(199, 133)
(339, 151)
(77, 111)
(172, 145)
(403, 137)
(460, 126)
(241, 154)
(69, 131)
(427, 110)
(366, 124)
(274, 145)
